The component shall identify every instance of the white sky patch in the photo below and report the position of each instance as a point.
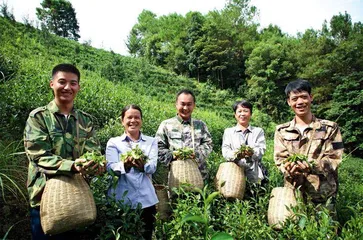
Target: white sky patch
(107, 23)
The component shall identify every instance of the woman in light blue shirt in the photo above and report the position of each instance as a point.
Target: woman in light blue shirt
(244, 133)
(134, 177)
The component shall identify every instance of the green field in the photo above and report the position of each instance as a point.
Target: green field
(109, 82)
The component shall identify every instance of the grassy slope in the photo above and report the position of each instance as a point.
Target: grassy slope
(110, 81)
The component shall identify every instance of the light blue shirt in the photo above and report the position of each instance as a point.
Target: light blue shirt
(138, 185)
(254, 137)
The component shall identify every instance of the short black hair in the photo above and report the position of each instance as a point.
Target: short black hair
(185, 91)
(66, 67)
(298, 85)
(131, 106)
(242, 103)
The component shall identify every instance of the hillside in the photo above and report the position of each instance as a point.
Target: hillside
(109, 82)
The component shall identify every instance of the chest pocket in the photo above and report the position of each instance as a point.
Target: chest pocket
(319, 138)
(291, 140)
(175, 135)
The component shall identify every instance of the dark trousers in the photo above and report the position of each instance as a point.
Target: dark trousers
(148, 217)
(37, 231)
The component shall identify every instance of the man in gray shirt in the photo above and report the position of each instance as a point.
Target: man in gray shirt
(244, 133)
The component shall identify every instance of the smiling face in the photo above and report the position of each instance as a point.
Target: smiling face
(243, 116)
(132, 121)
(185, 105)
(300, 103)
(65, 86)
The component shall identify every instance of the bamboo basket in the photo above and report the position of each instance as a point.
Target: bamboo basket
(67, 203)
(231, 180)
(163, 206)
(279, 208)
(185, 171)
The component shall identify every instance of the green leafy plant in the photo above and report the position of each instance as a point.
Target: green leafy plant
(184, 153)
(135, 154)
(244, 151)
(297, 157)
(11, 171)
(95, 157)
(204, 218)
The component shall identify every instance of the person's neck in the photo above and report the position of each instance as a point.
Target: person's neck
(134, 136)
(243, 127)
(64, 108)
(186, 120)
(304, 120)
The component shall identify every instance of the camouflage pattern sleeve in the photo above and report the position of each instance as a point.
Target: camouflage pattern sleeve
(280, 150)
(331, 152)
(205, 147)
(87, 136)
(165, 155)
(39, 147)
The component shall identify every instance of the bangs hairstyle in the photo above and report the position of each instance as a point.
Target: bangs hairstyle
(298, 85)
(242, 103)
(131, 106)
(185, 91)
(66, 67)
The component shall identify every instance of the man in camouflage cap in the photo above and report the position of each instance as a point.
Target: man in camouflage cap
(319, 140)
(179, 131)
(55, 137)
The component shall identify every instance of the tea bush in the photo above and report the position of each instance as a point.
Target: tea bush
(108, 83)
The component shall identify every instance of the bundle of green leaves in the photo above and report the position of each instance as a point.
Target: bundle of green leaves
(184, 153)
(133, 155)
(95, 156)
(244, 151)
(297, 157)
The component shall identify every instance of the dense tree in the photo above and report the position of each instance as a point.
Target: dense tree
(6, 13)
(270, 67)
(59, 17)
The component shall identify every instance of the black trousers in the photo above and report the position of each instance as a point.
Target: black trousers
(148, 217)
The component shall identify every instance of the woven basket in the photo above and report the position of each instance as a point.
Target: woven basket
(67, 203)
(233, 179)
(281, 199)
(185, 171)
(163, 206)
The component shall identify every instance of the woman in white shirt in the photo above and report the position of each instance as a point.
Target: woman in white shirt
(134, 185)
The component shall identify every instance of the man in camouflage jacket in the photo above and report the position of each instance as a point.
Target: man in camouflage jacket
(177, 132)
(319, 140)
(55, 137)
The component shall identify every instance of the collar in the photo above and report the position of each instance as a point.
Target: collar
(53, 108)
(314, 122)
(126, 138)
(183, 121)
(248, 129)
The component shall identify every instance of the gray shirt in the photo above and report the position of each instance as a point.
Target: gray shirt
(254, 137)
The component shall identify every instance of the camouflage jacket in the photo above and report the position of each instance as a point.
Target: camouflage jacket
(50, 141)
(174, 133)
(325, 152)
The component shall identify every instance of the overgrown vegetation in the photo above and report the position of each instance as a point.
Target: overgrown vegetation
(110, 81)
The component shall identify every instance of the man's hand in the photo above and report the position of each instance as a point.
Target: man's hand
(78, 165)
(297, 168)
(88, 167)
